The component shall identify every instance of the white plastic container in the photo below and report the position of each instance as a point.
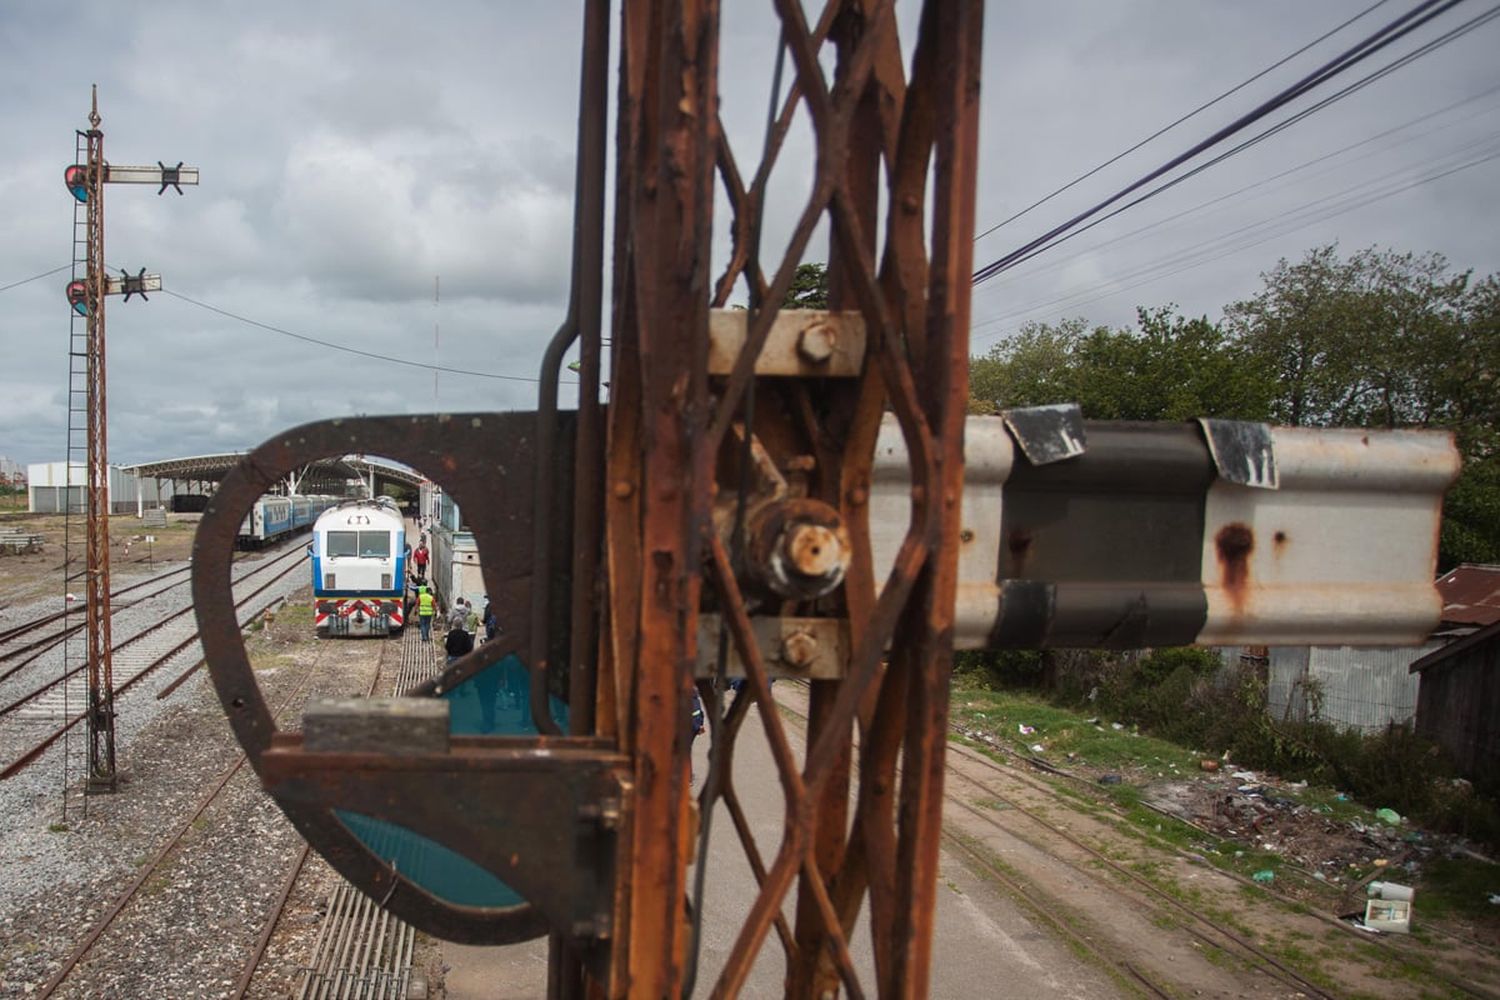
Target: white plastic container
(1390, 915)
(1390, 890)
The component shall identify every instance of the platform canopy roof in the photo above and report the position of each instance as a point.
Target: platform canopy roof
(327, 475)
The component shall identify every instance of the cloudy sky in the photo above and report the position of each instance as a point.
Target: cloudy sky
(351, 153)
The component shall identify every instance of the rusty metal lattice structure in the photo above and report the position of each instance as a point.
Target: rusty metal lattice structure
(781, 492)
(673, 430)
(101, 711)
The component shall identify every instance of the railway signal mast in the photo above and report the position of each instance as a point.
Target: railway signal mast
(86, 292)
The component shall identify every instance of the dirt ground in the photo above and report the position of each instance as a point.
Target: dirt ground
(29, 576)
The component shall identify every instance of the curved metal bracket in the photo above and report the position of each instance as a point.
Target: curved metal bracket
(493, 485)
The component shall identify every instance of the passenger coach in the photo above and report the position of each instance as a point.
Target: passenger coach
(359, 568)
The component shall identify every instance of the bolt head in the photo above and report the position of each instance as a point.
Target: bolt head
(799, 650)
(816, 342)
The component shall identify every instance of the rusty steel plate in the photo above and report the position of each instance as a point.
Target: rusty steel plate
(465, 798)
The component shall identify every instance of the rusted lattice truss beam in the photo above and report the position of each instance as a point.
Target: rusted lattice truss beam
(673, 430)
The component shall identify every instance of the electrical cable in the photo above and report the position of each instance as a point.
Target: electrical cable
(1167, 128)
(344, 348)
(34, 277)
(1358, 85)
(1405, 24)
(1190, 260)
(1057, 262)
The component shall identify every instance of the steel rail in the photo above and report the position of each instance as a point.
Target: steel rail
(284, 893)
(1041, 911)
(47, 619)
(1268, 964)
(1386, 942)
(151, 629)
(125, 898)
(31, 755)
(53, 641)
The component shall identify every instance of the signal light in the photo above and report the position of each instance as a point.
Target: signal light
(78, 297)
(76, 178)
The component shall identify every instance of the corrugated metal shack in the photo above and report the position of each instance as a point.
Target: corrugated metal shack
(1361, 687)
(1459, 705)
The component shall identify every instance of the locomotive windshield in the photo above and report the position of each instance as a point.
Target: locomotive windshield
(342, 543)
(373, 544)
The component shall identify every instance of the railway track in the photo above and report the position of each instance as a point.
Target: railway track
(361, 951)
(208, 880)
(1399, 947)
(1036, 844)
(39, 715)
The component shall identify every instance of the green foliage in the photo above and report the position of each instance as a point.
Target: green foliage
(1166, 368)
(809, 289)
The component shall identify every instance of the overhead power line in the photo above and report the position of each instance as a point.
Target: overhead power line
(1167, 128)
(34, 277)
(1280, 126)
(1308, 214)
(1055, 263)
(1387, 35)
(342, 347)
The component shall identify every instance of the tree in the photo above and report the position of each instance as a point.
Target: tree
(809, 288)
(1168, 367)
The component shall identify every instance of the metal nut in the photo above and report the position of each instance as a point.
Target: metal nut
(816, 342)
(814, 551)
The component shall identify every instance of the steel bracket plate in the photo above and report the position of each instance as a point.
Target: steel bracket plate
(1047, 434)
(801, 343)
(1243, 452)
(810, 648)
(493, 483)
(543, 819)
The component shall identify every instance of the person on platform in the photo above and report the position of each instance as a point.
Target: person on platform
(458, 643)
(426, 608)
(419, 560)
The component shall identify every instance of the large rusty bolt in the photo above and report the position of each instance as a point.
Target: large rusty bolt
(799, 548)
(799, 649)
(816, 342)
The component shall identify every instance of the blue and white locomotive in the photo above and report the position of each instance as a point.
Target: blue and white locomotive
(359, 569)
(275, 517)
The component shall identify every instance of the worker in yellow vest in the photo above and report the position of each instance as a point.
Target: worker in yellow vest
(426, 607)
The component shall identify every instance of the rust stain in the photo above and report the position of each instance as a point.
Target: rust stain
(1234, 543)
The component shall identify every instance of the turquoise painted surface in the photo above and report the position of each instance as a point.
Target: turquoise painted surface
(492, 702)
(443, 873)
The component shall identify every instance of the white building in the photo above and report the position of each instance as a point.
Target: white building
(52, 485)
(10, 471)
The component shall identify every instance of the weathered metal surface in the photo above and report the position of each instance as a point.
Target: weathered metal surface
(1048, 434)
(1139, 541)
(1343, 553)
(799, 548)
(810, 648)
(801, 342)
(1243, 452)
(495, 491)
(376, 725)
(1471, 594)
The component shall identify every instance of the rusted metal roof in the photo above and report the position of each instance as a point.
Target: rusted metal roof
(1437, 656)
(1471, 594)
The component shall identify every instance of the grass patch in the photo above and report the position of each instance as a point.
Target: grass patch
(57, 828)
(1061, 732)
(1460, 887)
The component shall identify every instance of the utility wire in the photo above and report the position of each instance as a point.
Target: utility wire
(34, 277)
(342, 347)
(1286, 123)
(1188, 259)
(1387, 35)
(1167, 128)
(1055, 263)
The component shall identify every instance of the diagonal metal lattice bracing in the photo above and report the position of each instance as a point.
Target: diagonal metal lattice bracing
(670, 431)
